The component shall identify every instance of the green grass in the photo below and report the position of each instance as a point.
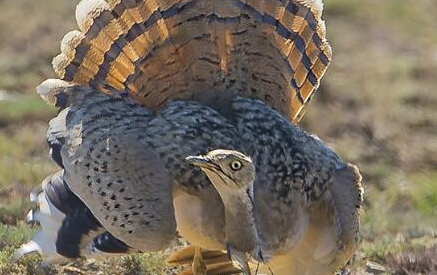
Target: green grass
(24, 159)
(424, 196)
(377, 107)
(24, 108)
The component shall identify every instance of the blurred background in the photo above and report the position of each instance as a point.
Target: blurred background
(377, 107)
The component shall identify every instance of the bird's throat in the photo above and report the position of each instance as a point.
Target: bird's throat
(240, 225)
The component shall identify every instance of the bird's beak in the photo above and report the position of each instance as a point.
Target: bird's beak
(200, 161)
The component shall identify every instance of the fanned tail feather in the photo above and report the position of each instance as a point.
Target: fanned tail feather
(155, 50)
(204, 50)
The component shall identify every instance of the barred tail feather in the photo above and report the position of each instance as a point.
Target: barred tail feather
(205, 50)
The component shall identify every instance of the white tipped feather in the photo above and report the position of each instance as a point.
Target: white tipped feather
(315, 5)
(34, 196)
(70, 41)
(50, 88)
(91, 252)
(193, 46)
(48, 216)
(41, 244)
(113, 3)
(44, 241)
(87, 10)
(25, 249)
(59, 63)
(30, 217)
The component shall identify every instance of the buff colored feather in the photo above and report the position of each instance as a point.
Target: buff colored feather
(207, 50)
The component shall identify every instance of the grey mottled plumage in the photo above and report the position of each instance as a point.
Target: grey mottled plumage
(96, 131)
(144, 84)
(330, 224)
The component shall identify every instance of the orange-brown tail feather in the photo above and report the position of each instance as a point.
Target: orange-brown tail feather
(204, 50)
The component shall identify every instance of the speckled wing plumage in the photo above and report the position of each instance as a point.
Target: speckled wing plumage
(106, 142)
(121, 163)
(68, 227)
(144, 84)
(329, 235)
(347, 193)
(124, 184)
(114, 152)
(208, 50)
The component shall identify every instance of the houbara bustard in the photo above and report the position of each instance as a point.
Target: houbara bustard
(144, 84)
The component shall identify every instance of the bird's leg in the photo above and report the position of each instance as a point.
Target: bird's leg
(199, 267)
(238, 259)
(257, 268)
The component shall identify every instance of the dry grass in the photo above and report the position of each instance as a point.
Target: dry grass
(377, 107)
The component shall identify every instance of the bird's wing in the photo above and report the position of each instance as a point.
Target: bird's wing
(123, 183)
(347, 198)
(68, 229)
(107, 147)
(199, 49)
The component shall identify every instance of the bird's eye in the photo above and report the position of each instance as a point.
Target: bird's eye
(236, 165)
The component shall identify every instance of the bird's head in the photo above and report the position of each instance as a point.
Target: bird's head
(226, 168)
(233, 173)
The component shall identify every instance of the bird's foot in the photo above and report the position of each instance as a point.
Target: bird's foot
(239, 259)
(199, 266)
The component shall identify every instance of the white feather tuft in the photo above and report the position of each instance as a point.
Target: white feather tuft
(25, 249)
(30, 217)
(59, 63)
(50, 220)
(113, 3)
(316, 6)
(91, 252)
(50, 88)
(70, 41)
(87, 11)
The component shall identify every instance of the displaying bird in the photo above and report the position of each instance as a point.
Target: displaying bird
(295, 172)
(144, 84)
